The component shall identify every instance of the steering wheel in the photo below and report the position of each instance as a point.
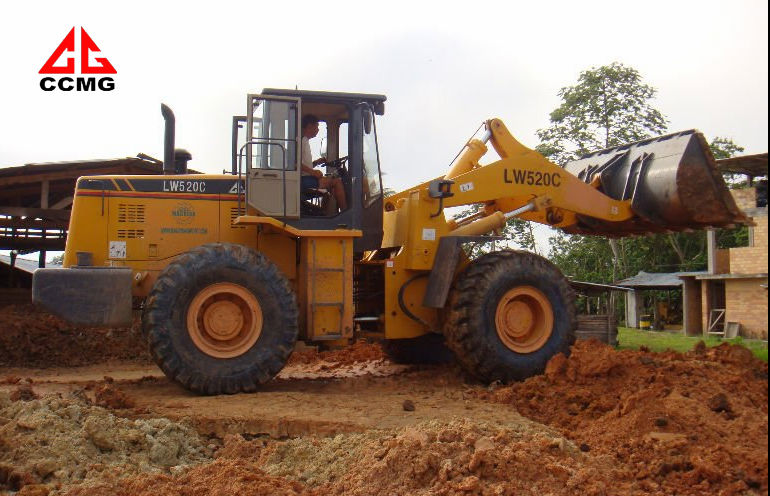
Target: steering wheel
(336, 167)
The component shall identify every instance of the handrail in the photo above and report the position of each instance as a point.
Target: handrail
(269, 142)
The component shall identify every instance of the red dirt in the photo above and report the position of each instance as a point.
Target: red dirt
(692, 423)
(30, 337)
(219, 478)
(109, 396)
(360, 351)
(23, 393)
(604, 422)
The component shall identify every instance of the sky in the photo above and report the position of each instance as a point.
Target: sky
(444, 67)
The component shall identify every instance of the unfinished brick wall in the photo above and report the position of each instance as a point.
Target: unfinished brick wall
(752, 259)
(722, 262)
(760, 232)
(745, 198)
(747, 303)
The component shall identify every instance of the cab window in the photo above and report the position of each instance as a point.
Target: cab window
(371, 168)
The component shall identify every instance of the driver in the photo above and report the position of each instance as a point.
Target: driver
(312, 178)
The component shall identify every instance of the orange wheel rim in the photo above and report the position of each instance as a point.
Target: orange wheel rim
(224, 320)
(524, 319)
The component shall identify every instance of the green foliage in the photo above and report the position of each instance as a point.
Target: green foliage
(733, 238)
(609, 106)
(724, 148)
(583, 258)
(590, 258)
(517, 233)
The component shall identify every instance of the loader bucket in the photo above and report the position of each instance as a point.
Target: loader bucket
(672, 182)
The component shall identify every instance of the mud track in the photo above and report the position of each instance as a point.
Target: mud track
(305, 399)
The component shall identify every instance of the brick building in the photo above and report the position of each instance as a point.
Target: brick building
(733, 293)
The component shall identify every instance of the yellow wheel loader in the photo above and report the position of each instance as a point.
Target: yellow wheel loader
(231, 270)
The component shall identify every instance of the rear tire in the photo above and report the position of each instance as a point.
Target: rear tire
(509, 313)
(221, 318)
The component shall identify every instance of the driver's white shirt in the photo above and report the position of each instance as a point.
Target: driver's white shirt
(307, 156)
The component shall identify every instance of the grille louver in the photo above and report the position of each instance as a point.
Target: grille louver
(130, 213)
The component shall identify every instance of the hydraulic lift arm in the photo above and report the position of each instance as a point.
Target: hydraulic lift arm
(664, 184)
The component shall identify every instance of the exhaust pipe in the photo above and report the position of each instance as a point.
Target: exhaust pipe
(168, 140)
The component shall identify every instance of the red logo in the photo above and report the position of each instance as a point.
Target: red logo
(67, 51)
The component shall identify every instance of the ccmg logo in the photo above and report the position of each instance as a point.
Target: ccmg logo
(67, 55)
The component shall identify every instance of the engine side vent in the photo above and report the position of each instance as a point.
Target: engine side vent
(130, 213)
(235, 212)
(130, 233)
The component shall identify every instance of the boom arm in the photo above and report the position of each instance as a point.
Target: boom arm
(654, 176)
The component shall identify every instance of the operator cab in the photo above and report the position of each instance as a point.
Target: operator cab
(268, 155)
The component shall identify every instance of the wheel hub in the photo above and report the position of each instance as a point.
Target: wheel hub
(524, 319)
(224, 320)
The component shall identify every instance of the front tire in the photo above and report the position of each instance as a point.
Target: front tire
(221, 318)
(509, 313)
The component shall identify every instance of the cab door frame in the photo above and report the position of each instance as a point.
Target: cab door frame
(265, 184)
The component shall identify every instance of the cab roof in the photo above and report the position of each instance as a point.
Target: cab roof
(326, 96)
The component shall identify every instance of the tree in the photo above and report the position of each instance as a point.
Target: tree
(589, 258)
(609, 106)
(724, 148)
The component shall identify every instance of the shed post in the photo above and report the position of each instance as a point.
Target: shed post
(634, 304)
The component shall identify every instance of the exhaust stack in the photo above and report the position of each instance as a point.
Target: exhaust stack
(168, 139)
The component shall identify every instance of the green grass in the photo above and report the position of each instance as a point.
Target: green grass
(632, 339)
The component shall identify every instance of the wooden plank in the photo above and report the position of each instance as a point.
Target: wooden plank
(43, 213)
(30, 223)
(56, 188)
(44, 188)
(65, 174)
(32, 244)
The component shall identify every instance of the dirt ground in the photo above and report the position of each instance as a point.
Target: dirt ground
(85, 412)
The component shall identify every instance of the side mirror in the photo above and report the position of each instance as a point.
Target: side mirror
(367, 121)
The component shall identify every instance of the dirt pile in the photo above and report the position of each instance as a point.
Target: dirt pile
(467, 457)
(110, 396)
(220, 478)
(30, 337)
(55, 441)
(458, 457)
(360, 351)
(673, 423)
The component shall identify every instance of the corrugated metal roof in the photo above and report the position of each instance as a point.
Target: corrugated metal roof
(77, 165)
(657, 280)
(752, 165)
(593, 287)
(141, 164)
